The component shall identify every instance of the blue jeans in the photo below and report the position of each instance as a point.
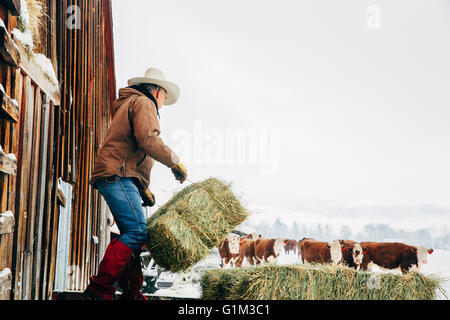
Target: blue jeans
(125, 203)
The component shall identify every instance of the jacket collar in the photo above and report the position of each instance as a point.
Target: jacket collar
(145, 92)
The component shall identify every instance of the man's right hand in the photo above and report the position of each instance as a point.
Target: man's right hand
(180, 172)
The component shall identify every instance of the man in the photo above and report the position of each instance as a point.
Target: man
(122, 176)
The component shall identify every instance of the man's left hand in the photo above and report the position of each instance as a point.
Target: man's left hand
(148, 198)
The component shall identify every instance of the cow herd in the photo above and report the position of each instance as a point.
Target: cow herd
(252, 249)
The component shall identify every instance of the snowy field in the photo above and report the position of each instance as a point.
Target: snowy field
(438, 264)
(187, 285)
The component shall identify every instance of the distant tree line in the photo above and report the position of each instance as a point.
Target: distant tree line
(370, 232)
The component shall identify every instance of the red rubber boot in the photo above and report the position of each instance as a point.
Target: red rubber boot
(112, 267)
(132, 280)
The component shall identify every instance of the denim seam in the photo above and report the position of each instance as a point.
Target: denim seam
(131, 205)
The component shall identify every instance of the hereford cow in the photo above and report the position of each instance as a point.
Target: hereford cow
(229, 250)
(246, 252)
(313, 251)
(394, 256)
(291, 246)
(268, 250)
(352, 253)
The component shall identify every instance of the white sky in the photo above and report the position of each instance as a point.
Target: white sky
(362, 115)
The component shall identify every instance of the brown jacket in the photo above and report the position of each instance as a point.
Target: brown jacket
(130, 152)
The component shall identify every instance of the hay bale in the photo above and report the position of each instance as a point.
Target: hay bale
(188, 226)
(315, 282)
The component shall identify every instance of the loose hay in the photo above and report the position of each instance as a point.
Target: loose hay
(315, 282)
(188, 226)
(34, 18)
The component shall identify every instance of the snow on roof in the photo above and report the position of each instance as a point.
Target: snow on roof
(26, 38)
(44, 63)
(47, 67)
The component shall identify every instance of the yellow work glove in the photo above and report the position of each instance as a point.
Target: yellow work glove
(180, 172)
(148, 198)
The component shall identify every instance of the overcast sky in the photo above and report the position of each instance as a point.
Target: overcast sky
(350, 99)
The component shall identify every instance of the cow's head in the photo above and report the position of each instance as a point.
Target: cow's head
(233, 243)
(422, 255)
(335, 251)
(278, 246)
(358, 254)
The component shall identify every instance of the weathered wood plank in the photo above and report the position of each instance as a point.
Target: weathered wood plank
(9, 108)
(13, 6)
(22, 188)
(8, 50)
(42, 173)
(30, 91)
(47, 240)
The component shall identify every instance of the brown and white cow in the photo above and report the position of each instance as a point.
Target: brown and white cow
(352, 253)
(229, 250)
(313, 251)
(394, 256)
(291, 246)
(268, 250)
(259, 251)
(246, 252)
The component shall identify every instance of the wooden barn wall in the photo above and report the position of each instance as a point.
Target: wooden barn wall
(53, 139)
(88, 89)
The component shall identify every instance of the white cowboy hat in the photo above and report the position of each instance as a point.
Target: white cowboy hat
(155, 76)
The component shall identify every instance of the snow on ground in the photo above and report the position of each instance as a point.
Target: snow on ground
(438, 265)
(187, 285)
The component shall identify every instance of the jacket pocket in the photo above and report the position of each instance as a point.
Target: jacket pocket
(143, 167)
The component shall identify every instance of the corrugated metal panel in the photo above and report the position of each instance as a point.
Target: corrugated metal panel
(63, 246)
